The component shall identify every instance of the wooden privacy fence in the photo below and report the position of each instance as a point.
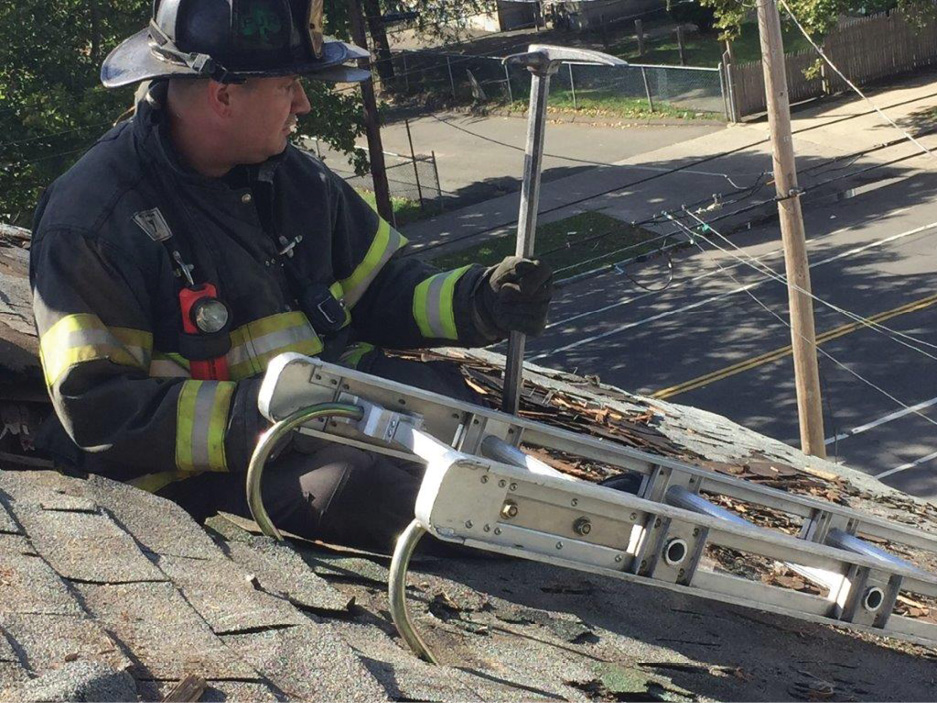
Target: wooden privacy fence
(863, 48)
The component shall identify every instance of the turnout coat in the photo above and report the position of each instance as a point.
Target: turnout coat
(106, 297)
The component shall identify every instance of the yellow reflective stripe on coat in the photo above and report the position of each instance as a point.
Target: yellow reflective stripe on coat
(336, 290)
(169, 365)
(433, 305)
(253, 345)
(387, 241)
(201, 419)
(154, 482)
(83, 337)
(352, 356)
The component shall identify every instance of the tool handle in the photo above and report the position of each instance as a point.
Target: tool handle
(514, 360)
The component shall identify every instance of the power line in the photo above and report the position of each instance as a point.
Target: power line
(818, 347)
(717, 198)
(768, 271)
(701, 303)
(647, 179)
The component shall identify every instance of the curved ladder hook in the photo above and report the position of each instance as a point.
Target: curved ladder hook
(397, 590)
(266, 445)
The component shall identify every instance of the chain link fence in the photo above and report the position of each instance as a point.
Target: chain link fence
(486, 80)
(412, 177)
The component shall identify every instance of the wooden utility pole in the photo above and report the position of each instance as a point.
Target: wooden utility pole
(801, 308)
(370, 111)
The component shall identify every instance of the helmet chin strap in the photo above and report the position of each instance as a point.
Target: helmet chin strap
(204, 65)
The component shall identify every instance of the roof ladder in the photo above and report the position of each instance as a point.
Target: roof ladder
(482, 491)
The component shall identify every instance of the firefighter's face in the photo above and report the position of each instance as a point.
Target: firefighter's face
(265, 112)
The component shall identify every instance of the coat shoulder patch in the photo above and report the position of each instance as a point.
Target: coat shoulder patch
(154, 224)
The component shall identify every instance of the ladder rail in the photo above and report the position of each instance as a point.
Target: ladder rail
(735, 534)
(481, 490)
(292, 377)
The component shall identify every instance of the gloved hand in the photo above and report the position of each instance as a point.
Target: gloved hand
(514, 296)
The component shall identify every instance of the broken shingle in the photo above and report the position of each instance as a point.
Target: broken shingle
(223, 594)
(87, 547)
(280, 571)
(400, 672)
(165, 634)
(7, 653)
(68, 503)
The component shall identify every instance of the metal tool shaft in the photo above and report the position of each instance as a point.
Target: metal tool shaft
(527, 222)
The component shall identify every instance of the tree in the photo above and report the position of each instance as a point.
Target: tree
(53, 107)
(817, 16)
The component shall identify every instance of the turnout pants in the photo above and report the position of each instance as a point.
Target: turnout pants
(328, 491)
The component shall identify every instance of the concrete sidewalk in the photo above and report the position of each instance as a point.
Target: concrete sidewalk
(643, 185)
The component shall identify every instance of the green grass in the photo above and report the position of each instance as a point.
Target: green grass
(405, 209)
(706, 49)
(601, 103)
(575, 244)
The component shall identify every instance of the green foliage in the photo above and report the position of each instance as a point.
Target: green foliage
(692, 12)
(53, 107)
(817, 16)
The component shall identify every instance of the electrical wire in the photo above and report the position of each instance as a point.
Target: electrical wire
(671, 312)
(647, 179)
(830, 63)
(664, 215)
(819, 349)
(55, 134)
(766, 270)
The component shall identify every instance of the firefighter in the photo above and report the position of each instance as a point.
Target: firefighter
(194, 243)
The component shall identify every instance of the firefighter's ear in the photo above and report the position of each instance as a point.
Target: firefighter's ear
(219, 98)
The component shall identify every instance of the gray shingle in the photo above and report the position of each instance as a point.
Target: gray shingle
(400, 672)
(50, 641)
(310, 662)
(7, 523)
(222, 593)
(160, 525)
(7, 654)
(78, 681)
(28, 584)
(67, 503)
(215, 691)
(11, 674)
(168, 638)
(342, 568)
(86, 546)
(30, 487)
(281, 571)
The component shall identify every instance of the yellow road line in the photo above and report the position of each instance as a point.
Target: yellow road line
(785, 351)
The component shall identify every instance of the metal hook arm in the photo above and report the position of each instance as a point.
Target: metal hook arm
(266, 445)
(397, 590)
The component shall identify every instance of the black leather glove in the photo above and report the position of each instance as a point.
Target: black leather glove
(514, 296)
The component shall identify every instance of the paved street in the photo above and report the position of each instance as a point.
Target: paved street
(872, 255)
(483, 157)
(684, 171)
